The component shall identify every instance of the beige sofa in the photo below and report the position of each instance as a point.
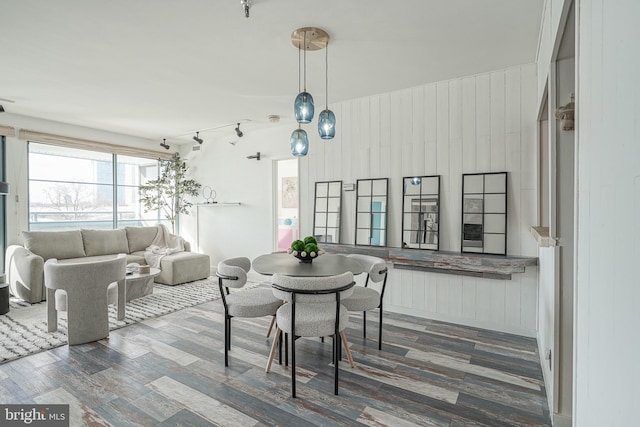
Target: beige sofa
(25, 264)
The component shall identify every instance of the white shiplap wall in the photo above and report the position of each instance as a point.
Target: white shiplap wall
(607, 293)
(482, 123)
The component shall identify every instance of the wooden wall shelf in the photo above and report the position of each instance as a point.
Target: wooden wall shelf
(465, 264)
(217, 204)
(541, 234)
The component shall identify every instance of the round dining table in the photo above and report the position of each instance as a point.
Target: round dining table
(322, 266)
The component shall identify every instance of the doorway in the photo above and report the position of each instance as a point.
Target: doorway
(287, 226)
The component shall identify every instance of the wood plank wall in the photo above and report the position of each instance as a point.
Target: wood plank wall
(481, 123)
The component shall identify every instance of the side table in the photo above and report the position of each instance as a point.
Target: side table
(140, 284)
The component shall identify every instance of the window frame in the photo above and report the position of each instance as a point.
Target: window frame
(114, 164)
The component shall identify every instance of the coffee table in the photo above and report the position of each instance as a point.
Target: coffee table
(140, 284)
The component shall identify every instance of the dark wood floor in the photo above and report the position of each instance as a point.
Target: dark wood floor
(170, 371)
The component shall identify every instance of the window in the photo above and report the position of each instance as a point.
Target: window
(72, 188)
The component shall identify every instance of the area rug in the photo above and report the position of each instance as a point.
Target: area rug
(23, 331)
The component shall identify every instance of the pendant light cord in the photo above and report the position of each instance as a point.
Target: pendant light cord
(326, 76)
(305, 61)
(299, 78)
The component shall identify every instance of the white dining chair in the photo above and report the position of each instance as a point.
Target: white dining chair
(365, 298)
(232, 273)
(313, 309)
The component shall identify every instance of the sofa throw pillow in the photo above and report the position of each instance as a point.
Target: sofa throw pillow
(54, 244)
(105, 242)
(140, 237)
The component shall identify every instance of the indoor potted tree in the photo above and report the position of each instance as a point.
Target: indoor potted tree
(168, 192)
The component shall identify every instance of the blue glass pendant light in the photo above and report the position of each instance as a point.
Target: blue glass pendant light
(299, 142)
(327, 124)
(303, 105)
(327, 120)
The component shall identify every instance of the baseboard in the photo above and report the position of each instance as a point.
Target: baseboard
(561, 420)
(547, 376)
(509, 329)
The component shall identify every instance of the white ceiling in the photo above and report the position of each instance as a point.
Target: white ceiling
(163, 69)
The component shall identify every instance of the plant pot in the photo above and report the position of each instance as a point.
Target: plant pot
(308, 259)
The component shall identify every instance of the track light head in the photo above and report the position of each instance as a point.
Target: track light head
(246, 5)
(164, 144)
(239, 132)
(1, 109)
(197, 138)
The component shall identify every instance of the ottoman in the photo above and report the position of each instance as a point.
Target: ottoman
(183, 267)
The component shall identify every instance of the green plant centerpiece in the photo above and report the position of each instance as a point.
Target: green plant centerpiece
(168, 193)
(306, 249)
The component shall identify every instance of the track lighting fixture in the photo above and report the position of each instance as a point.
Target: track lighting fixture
(246, 5)
(199, 140)
(256, 156)
(1, 109)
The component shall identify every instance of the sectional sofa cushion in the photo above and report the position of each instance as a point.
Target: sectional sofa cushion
(140, 237)
(105, 242)
(54, 244)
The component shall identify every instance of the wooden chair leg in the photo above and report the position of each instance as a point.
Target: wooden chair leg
(272, 353)
(347, 349)
(273, 319)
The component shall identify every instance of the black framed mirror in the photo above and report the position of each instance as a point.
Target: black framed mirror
(327, 209)
(371, 211)
(421, 212)
(484, 213)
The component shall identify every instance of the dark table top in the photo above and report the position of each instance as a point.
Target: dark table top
(324, 265)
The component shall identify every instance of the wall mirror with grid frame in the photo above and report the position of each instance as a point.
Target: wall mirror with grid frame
(484, 213)
(327, 209)
(371, 211)
(421, 212)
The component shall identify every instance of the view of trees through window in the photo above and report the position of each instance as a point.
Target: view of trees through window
(71, 188)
